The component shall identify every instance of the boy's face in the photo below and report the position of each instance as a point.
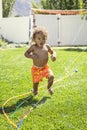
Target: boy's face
(40, 39)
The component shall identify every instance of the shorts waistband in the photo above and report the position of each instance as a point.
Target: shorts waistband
(37, 66)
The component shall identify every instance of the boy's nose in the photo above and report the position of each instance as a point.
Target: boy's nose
(42, 40)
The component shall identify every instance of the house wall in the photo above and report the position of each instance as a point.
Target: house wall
(73, 30)
(16, 29)
(63, 30)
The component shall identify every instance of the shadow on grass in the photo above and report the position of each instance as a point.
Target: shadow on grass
(28, 101)
(76, 49)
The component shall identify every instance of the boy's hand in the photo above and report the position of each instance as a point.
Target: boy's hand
(53, 57)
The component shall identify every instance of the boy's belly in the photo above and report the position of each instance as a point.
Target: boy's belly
(40, 62)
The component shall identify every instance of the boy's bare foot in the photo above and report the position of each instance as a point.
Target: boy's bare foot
(35, 93)
(50, 91)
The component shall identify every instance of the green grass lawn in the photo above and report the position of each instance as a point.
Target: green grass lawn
(65, 110)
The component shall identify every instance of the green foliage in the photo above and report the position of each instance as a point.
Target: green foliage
(36, 5)
(65, 110)
(7, 7)
(3, 43)
(64, 4)
(85, 4)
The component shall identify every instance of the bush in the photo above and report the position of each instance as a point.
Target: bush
(3, 43)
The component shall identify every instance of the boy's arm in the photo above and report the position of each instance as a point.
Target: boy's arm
(53, 53)
(28, 53)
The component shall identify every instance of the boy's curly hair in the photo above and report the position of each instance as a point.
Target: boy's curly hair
(40, 30)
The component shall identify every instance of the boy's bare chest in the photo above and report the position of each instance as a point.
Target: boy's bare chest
(41, 51)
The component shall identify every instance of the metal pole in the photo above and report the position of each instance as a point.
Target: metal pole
(29, 20)
(0, 8)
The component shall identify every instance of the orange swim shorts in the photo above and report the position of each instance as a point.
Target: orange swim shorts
(39, 73)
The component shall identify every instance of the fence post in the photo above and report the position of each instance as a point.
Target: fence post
(59, 29)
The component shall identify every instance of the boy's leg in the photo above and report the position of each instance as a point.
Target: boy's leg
(50, 82)
(35, 88)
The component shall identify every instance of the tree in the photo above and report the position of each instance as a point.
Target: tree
(7, 6)
(64, 4)
(85, 4)
(36, 4)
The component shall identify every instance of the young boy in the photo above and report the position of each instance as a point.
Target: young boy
(38, 52)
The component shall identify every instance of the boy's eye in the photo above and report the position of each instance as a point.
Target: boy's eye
(41, 39)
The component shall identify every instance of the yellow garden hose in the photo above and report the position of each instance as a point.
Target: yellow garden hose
(3, 106)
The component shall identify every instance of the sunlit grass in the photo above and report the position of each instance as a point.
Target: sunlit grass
(65, 110)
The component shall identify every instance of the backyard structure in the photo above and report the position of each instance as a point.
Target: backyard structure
(63, 29)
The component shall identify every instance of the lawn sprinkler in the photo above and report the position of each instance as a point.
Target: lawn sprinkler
(76, 70)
